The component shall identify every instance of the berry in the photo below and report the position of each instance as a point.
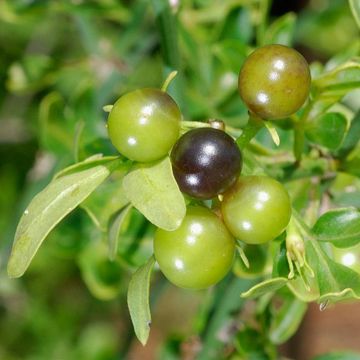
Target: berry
(256, 209)
(274, 81)
(144, 124)
(205, 162)
(199, 253)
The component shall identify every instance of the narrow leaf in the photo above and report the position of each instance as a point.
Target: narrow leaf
(336, 282)
(341, 227)
(88, 163)
(327, 130)
(352, 136)
(103, 278)
(341, 79)
(49, 207)
(355, 9)
(286, 320)
(281, 31)
(138, 300)
(115, 224)
(155, 193)
(273, 133)
(264, 287)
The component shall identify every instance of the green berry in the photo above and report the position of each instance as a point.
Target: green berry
(144, 124)
(274, 81)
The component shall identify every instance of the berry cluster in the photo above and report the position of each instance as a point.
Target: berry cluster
(144, 125)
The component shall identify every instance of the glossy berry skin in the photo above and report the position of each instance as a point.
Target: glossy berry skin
(199, 253)
(205, 162)
(274, 81)
(256, 209)
(144, 124)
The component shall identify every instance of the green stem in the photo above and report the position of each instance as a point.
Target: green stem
(249, 131)
(168, 80)
(299, 127)
(186, 125)
(299, 140)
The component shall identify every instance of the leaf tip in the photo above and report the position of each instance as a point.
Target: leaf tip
(13, 271)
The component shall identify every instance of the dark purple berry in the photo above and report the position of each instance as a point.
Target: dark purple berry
(205, 162)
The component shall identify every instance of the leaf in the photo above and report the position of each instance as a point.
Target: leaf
(104, 278)
(341, 227)
(49, 207)
(352, 136)
(138, 300)
(336, 282)
(340, 80)
(225, 304)
(297, 287)
(355, 9)
(281, 31)
(264, 287)
(115, 224)
(273, 133)
(155, 193)
(286, 320)
(88, 163)
(327, 130)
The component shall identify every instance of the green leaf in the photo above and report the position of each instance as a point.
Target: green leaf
(104, 278)
(352, 136)
(338, 356)
(327, 130)
(88, 163)
(340, 80)
(286, 320)
(270, 285)
(114, 228)
(155, 193)
(341, 227)
(297, 287)
(138, 300)
(281, 31)
(225, 304)
(49, 207)
(336, 282)
(355, 9)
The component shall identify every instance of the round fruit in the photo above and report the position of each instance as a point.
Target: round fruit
(199, 253)
(256, 209)
(205, 162)
(274, 81)
(144, 124)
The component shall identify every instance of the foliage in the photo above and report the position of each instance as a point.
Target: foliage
(52, 94)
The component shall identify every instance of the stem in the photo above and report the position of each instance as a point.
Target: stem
(168, 80)
(299, 140)
(185, 125)
(249, 131)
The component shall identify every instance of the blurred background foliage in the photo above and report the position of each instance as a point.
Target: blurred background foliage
(60, 63)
